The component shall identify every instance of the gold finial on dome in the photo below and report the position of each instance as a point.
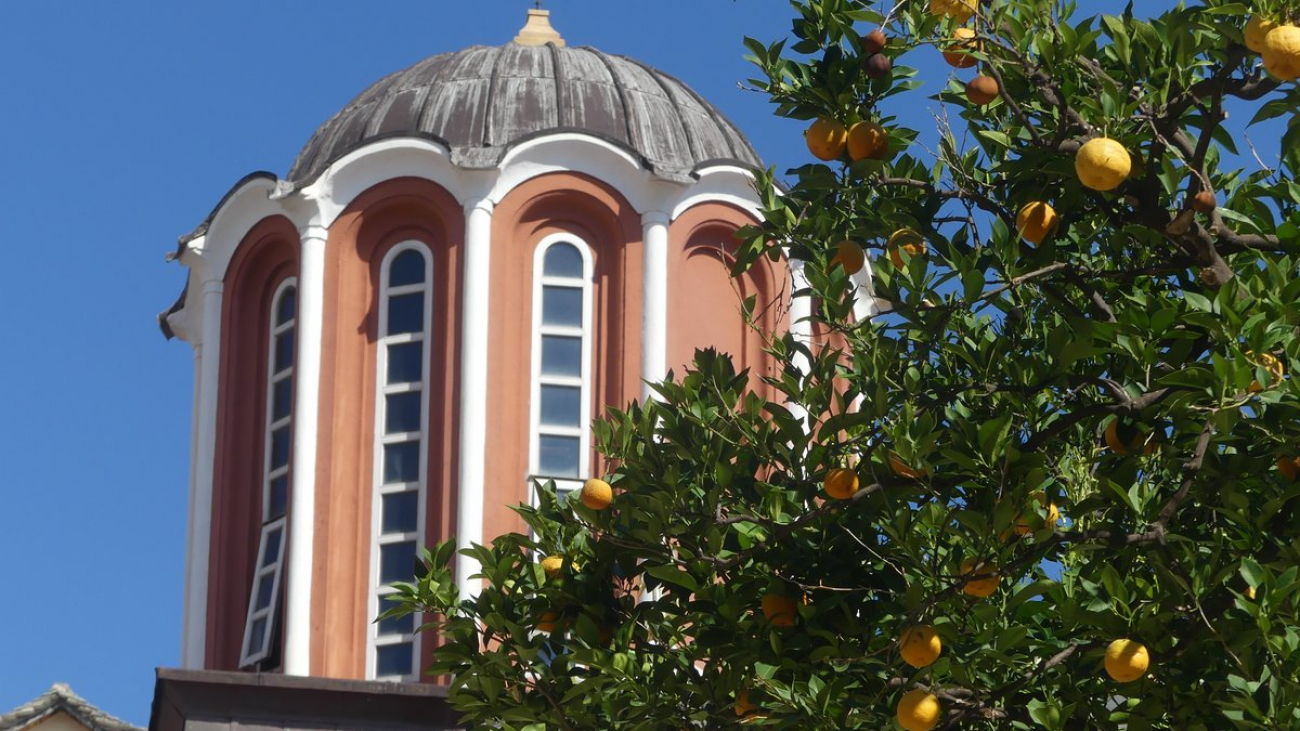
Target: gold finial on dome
(538, 31)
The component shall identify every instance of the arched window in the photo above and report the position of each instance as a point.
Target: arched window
(401, 449)
(264, 599)
(560, 406)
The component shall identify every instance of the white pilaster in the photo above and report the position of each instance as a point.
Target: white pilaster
(473, 388)
(654, 300)
(800, 324)
(207, 359)
(306, 409)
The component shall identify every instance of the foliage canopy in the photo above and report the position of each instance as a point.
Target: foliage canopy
(975, 410)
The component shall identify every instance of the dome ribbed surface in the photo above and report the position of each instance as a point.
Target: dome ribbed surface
(483, 100)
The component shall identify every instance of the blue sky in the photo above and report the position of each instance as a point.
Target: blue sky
(123, 124)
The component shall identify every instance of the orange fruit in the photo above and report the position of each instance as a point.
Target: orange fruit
(1127, 660)
(548, 622)
(827, 139)
(918, 710)
(958, 54)
(901, 469)
(780, 610)
(552, 565)
(841, 483)
(1124, 438)
(597, 494)
(849, 256)
(1036, 221)
(958, 10)
(743, 705)
(982, 90)
(1271, 364)
(1256, 28)
(920, 646)
(907, 240)
(1024, 524)
(1282, 52)
(1102, 164)
(874, 42)
(1289, 467)
(980, 587)
(1204, 202)
(868, 140)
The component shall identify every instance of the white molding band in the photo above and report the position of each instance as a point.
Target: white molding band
(200, 531)
(306, 410)
(471, 463)
(654, 300)
(187, 610)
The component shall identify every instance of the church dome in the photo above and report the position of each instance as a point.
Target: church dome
(482, 101)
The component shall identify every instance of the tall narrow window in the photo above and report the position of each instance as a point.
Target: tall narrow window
(264, 598)
(561, 374)
(401, 448)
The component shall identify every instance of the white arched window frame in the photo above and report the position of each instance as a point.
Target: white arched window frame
(401, 446)
(264, 597)
(561, 364)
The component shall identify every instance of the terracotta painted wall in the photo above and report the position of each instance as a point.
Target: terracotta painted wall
(388, 214)
(266, 257)
(704, 301)
(549, 204)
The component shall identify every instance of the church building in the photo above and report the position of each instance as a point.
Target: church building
(462, 269)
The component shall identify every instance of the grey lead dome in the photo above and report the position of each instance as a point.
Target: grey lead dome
(483, 100)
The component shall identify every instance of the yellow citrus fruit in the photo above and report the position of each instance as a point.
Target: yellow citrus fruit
(1271, 364)
(1102, 164)
(901, 468)
(1289, 467)
(868, 140)
(841, 483)
(849, 256)
(1023, 524)
(1282, 52)
(958, 54)
(597, 494)
(918, 710)
(980, 587)
(1256, 28)
(1127, 660)
(552, 565)
(743, 705)
(1036, 221)
(958, 10)
(779, 609)
(826, 139)
(920, 646)
(1124, 438)
(905, 239)
(548, 622)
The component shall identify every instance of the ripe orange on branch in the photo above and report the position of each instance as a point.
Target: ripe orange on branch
(920, 646)
(868, 141)
(982, 90)
(1256, 28)
(1127, 660)
(1270, 364)
(905, 239)
(827, 139)
(918, 710)
(849, 256)
(1036, 221)
(958, 54)
(841, 483)
(780, 610)
(959, 10)
(1102, 164)
(1023, 525)
(1281, 52)
(597, 494)
(987, 578)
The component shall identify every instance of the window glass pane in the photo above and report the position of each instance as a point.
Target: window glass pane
(406, 314)
(393, 660)
(406, 268)
(558, 456)
(265, 585)
(272, 551)
(281, 398)
(284, 350)
(278, 499)
(397, 562)
(406, 363)
(402, 462)
(562, 306)
(562, 260)
(280, 447)
(402, 412)
(561, 406)
(561, 356)
(256, 638)
(396, 625)
(401, 512)
(288, 306)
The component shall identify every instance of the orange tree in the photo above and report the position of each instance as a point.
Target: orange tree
(1051, 482)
